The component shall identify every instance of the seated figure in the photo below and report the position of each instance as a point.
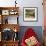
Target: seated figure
(30, 38)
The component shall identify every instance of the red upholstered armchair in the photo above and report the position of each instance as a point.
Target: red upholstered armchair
(30, 39)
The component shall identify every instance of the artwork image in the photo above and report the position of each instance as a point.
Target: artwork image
(30, 14)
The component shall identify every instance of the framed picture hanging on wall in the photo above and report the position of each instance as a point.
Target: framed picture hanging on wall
(30, 13)
(5, 12)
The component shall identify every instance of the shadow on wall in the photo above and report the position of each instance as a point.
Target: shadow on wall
(37, 29)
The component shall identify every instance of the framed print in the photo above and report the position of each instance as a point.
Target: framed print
(30, 14)
(5, 12)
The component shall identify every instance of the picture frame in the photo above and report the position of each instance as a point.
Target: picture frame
(5, 12)
(30, 14)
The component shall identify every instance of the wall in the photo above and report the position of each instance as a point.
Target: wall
(26, 3)
(7, 3)
(31, 3)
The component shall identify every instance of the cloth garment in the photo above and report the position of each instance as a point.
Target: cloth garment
(30, 35)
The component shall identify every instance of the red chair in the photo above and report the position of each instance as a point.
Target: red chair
(29, 33)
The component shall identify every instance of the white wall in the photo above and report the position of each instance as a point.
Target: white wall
(31, 3)
(7, 3)
(26, 3)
